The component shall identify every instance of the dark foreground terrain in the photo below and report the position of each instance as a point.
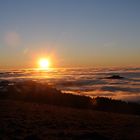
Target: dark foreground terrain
(32, 121)
(33, 111)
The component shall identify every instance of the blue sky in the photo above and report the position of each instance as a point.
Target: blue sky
(72, 32)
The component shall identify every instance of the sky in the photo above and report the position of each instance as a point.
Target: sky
(72, 33)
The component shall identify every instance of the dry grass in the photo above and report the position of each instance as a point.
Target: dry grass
(32, 121)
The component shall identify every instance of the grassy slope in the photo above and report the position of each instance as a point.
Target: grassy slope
(23, 120)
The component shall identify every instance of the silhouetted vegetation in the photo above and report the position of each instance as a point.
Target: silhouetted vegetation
(42, 93)
(108, 104)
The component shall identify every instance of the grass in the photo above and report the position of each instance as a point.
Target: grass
(32, 111)
(27, 120)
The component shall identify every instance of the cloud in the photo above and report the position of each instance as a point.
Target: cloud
(124, 89)
(12, 39)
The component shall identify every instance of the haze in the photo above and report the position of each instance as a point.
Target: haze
(73, 33)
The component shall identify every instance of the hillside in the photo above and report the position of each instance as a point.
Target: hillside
(33, 111)
(32, 121)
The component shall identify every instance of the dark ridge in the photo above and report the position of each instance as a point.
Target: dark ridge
(4, 83)
(117, 106)
(115, 77)
(42, 93)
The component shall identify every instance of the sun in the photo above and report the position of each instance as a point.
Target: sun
(44, 63)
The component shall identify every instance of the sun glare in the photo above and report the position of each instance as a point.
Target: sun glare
(44, 63)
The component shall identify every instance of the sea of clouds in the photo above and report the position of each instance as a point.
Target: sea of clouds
(84, 81)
